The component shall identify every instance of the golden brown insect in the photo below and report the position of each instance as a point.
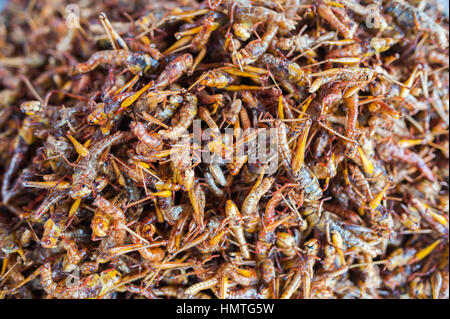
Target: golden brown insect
(352, 74)
(213, 187)
(236, 227)
(151, 140)
(253, 50)
(92, 286)
(266, 233)
(304, 178)
(215, 79)
(231, 114)
(327, 14)
(87, 170)
(389, 150)
(174, 70)
(351, 122)
(187, 113)
(254, 14)
(249, 206)
(146, 232)
(302, 42)
(134, 61)
(100, 224)
(74, 254)
(115, 103)
(299, 276)
(284, 69)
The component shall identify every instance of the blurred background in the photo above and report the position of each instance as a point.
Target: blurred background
(444, 3)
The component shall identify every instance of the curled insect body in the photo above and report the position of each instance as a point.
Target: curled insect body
(187, 114)
(284, 69)
(374, 46)
(216, 100)
(205, 115)
(239, 159)
(286, 243)
(203, 285)
(266, 235)
(74, 254)
(325, 170)
(236, 227)
(232, 113)
(215, 79)
(146, 232)
(218, 175)
(242, 30)
(153, 141)
(304, 178)
(249, 99)
(134, 61)
(327, 14)
(212, 186)
(309, 183)
(301, 43)
(151, 102)
(256, 48)
(249, 206)
(167, 111)
(244, 277)
(391, 151)
(109, 208)
(100, 224)
(111, 245)
(352, 74)
(174, 70)
(54, 226)
(87, 169)
(91, 287)
(209, 283)
(255, 14)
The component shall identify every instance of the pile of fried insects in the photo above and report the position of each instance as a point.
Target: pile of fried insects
(97, 202)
